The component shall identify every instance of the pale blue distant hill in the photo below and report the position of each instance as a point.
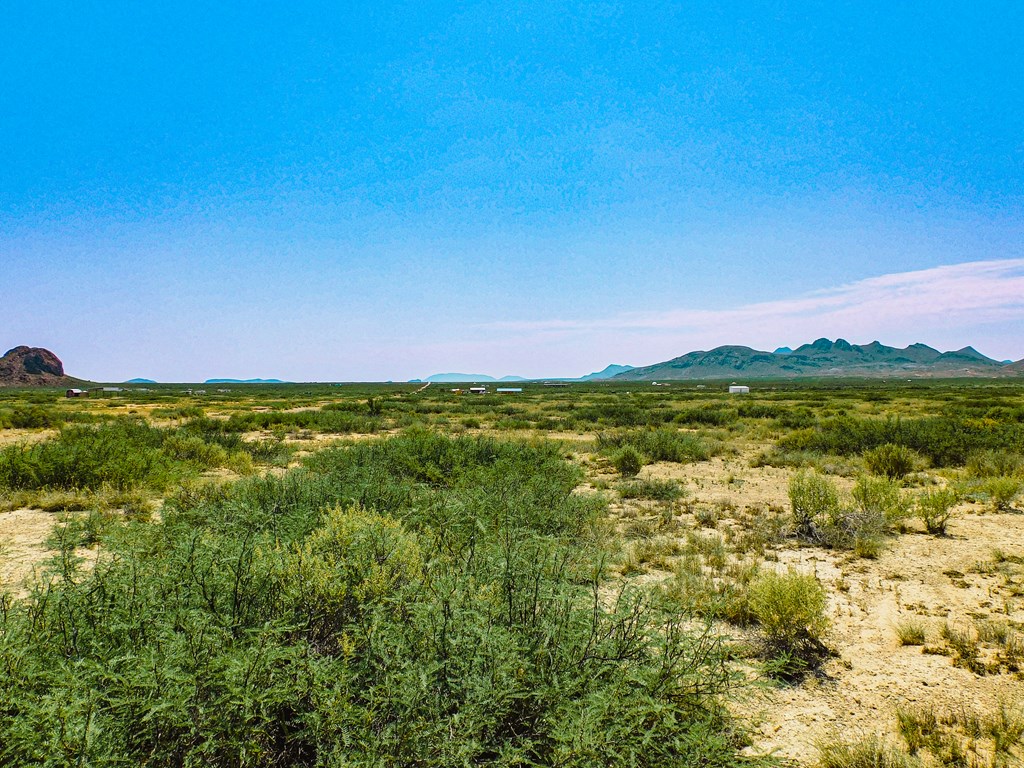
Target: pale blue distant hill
(607, 373)
(455, 378)
(244, 381)
(783, 351)
(140, 381)
(447, 378)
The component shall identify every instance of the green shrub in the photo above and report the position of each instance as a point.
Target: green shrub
(34, 417)
(790, 612)
(813, 500)
(944, 440)
(713, 415)
(882, 500)
(994, 464)
(910, 632)
(121, 453)
(628, 461)
(443, 611)
(935, 508)
(1002, 491)
(195, 450)
(661, 444)
(890, 460)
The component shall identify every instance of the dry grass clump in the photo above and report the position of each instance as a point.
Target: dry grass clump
(872, 752)
(911, 632)
(962, 736)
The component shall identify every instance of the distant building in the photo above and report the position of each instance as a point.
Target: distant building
(478, 390)
(738, 389)
(76, 393)
(508, 390)
(556, 384)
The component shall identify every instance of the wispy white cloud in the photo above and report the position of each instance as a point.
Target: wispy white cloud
(980, 291)
(979, 302)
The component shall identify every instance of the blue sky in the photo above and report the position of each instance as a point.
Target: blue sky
(342, 191)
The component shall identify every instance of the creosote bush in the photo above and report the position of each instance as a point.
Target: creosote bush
(661, 444)
(420, 600)
(1003, 491)
(628, 461)
(935, 508)
(821, 516)
(813, 499)
(890, 460)
(947, 440)
(994, 464)
(789, 609)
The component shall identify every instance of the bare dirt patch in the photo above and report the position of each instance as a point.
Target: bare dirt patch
(920, 578)
(23, 534)
(25, 436)
(971, 579)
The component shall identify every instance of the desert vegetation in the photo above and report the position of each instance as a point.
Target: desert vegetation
(307, 575)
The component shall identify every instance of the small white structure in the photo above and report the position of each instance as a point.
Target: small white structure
(738, 389)
(76, 393)
(508, 390)
(478, 390)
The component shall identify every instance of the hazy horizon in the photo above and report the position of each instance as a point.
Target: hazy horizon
(385, 193)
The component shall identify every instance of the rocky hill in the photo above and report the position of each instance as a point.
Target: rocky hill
(825, 358)
(32, 367)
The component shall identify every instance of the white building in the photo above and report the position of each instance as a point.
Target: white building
(738, 389)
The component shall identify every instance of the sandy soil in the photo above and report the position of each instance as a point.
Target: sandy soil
(25, 436)
(917, 577)
(22, 536)
(929, 579)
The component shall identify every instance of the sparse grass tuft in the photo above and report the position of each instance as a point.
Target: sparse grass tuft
(872, 752)
(654, 490)
(964, 644)
(911, 632)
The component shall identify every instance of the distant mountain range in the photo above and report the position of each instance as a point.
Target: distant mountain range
(244, 381)
(455, 378)
(475, 378)
(33, 366)
(825, 358)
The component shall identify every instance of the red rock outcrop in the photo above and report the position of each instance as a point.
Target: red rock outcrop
(32, 367)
